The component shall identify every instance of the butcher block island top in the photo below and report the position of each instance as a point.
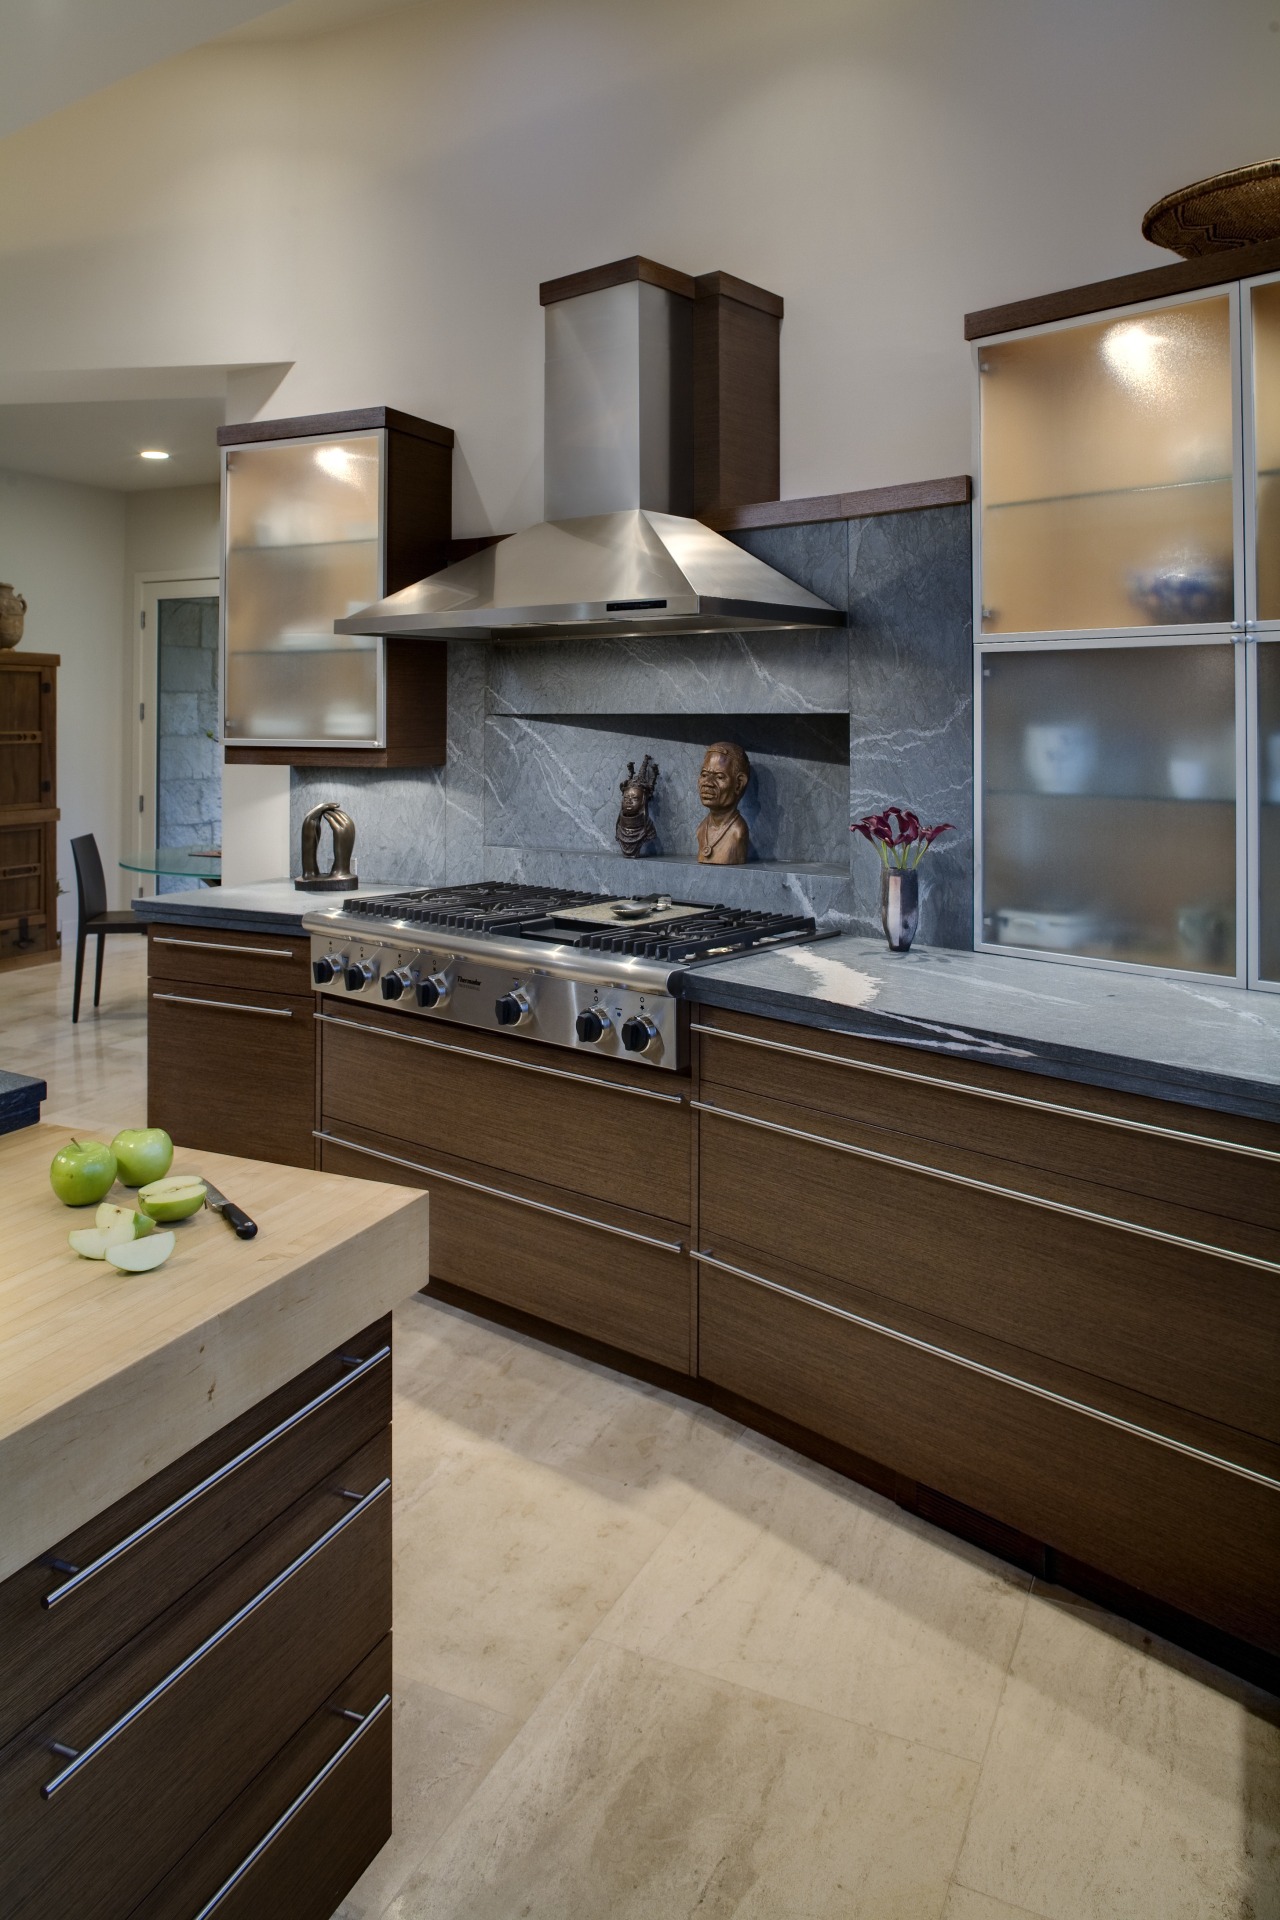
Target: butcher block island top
(107, 1377)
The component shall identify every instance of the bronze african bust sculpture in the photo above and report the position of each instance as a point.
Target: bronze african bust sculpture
(635, 830)
(723, 839)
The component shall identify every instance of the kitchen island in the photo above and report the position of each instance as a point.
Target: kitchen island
(194, 1479)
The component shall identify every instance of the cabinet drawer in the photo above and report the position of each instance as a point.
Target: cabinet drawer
(249, 962)
(616, 1276)
(521, 1108)
(1064, 1279)
(151, 1547)
(233, 1072)
(1187, 1156)
(102, 1794)
(303, 1832)
(1204, 1539)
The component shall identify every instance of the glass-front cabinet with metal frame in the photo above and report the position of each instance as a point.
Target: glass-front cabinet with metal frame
(322, 516)
(1127, 629)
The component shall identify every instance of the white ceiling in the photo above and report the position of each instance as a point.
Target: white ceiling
(53, 52)
(97, 442)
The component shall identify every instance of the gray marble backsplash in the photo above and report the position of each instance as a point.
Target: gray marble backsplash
(836, 724)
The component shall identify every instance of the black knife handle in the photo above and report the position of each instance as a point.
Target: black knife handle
(237, 1218)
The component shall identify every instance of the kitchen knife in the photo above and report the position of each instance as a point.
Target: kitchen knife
(233, 1215)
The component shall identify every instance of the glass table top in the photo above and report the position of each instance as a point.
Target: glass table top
(183, 863)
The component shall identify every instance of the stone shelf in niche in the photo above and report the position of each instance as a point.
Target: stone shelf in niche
(650, 863)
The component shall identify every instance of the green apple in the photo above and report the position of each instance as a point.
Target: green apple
(82, 1172)
(116, 1227)
(173, 1199)
(142, 1154)
(140, 1256)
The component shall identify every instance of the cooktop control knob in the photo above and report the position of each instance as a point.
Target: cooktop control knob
(330, 968)
(513, 1009)
(591, 1024)
(434, 991)
(360, 974)
(638, 1033)
(398, 983)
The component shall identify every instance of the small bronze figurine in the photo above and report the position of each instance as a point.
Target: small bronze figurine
(635, 830)
(340, 874)
(723, 839)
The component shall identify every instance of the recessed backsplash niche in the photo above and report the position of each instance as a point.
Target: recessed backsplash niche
(835, 723)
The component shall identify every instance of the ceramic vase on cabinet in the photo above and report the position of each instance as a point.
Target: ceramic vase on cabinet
(13, 611)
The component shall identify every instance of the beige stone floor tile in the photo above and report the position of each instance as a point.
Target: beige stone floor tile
(794, 1582)
(443, 1748)
(459, 1382)
(641, 1792)
(964, 1904)
(96, 1071)
(1119, 1785)
(504, 1567)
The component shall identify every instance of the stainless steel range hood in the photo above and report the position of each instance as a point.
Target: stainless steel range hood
(617, 558)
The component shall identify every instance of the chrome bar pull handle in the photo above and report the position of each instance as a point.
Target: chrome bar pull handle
(225, 1006)
(499, 1193)
(157, 1692)
(363, 1723)
(80, 1576)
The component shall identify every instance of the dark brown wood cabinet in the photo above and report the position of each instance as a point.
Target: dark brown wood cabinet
(1056, 1306)
(231, 1042)
(143, 1756)
(28, 808)
(561, 1186)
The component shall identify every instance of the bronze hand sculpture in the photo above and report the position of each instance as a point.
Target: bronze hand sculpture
(344, 839)
(723, 839)
(635, 830)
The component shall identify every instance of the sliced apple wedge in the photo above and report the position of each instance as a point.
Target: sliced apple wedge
(117, 1227)
(90, 1243)
(122, 1223)
(174, 1198)
(140, 1256)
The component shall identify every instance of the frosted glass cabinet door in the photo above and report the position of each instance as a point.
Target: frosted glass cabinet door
(1269, 810)
(1265, 303)
(303, 549)
(1107, 462)
(1109, 803)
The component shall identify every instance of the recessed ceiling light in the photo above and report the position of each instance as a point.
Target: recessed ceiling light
(153, 453)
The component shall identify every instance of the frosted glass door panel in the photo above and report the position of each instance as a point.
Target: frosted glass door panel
(302, 524)
(1269, 808)
(1109, 807)
(1266, 392)
(1107, 460)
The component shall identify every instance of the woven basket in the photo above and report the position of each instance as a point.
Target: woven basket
(1236, 209)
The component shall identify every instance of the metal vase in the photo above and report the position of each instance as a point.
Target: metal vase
(899, 906)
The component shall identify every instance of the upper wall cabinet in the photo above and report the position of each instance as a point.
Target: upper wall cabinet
(322, 516)
(1111, 475)
(1128, 620)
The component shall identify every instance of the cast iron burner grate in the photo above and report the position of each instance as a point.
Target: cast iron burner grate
(492, 906)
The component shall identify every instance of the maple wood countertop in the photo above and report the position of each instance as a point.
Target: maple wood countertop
(107, 1377)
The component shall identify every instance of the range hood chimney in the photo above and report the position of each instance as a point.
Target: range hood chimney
(617, 556)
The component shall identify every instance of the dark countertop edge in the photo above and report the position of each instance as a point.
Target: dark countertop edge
(246, 920)
(1253, 1100)
(21, 1095)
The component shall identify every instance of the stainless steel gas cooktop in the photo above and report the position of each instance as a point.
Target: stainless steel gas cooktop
(578, 970)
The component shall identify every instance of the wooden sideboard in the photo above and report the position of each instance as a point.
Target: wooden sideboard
(28, 808)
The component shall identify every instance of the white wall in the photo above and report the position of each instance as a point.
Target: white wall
(63, 547)
(378, 205)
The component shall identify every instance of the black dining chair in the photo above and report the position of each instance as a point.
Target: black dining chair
(95, 916)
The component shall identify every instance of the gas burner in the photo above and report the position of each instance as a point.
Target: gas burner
(491, 906)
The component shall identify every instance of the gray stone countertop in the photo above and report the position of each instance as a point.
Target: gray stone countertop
(272, 906)
(1186, 1040)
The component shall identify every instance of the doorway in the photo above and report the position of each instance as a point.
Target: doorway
(179, 753)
